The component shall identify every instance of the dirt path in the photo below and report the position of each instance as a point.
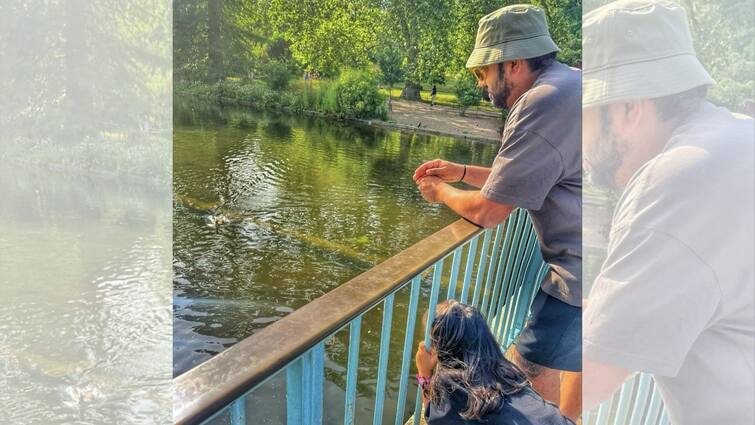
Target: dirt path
(475, 125)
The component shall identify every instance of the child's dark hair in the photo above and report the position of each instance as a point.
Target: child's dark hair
(470, 360)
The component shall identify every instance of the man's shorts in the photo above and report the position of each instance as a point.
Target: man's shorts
(552, 336)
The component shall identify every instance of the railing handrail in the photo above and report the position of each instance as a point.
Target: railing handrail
(202, 391)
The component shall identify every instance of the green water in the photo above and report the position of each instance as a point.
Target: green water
(310, 204)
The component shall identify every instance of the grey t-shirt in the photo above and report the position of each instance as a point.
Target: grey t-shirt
(539, 168)
(674, 297)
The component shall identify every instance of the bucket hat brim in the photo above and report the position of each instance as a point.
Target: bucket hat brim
(526, 48)
(647, 79)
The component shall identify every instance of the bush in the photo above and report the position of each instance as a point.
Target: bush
(328, 98)
(276, 74)
(354, 95)
(467, 91)
(358, 96)
(250, 93)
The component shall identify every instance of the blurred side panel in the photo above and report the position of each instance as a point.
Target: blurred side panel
(85, 211)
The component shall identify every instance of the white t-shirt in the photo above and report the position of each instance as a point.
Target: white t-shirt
(676, 294)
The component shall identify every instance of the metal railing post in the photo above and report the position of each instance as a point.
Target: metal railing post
(352, 370)
(238, 412)
(385, 342)
(411, 320)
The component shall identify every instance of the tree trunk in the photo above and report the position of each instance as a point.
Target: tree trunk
(214, 45)
(410, 91)
(78, 98)
(390, 97)
(692, 19)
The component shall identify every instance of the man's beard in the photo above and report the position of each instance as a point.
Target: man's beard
(602, 170)
(499, 98)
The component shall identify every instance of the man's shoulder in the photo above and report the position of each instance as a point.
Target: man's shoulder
(557, 83)
(715, 129)
(556, 92)
(706, 163)
(709, 144)
(552, 109)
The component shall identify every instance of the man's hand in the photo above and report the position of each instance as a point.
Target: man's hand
(430, 188)
(426, 360)
(449, 172)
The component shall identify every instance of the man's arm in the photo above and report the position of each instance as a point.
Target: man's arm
(451, 172)
(469, 204)
(600, 381)
(476, 176)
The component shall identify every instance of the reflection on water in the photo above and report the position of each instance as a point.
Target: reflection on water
(84, 295)
(85, 212)
(309, 204)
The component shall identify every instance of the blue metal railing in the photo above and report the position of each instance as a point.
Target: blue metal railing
(637, 402)
(501, 279)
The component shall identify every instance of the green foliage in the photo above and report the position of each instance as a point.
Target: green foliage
(353, 95)
(326, 36)
(276, 74)
(390, 60)
(723, 32)
(226, 38)
(467, 91)
(329, 100)
(565, 25)
(421, 29)
(358, 95)
(417, 42)
(189, 40)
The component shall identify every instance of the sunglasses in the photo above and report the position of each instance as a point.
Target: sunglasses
(479, 73)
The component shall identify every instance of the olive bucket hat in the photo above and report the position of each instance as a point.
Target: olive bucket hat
(513, 32)
(638, 49)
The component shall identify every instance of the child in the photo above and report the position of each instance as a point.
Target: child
(472, 382)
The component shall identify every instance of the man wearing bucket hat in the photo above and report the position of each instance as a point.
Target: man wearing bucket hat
(539, 168)
(674, 297)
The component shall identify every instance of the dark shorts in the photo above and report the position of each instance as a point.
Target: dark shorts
(552, 336)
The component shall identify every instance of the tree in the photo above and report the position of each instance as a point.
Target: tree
(565, 25)
(468, 92)
(421, 27)
(722, 33)
(214, 46)
(389, 59)
(89, 70)
(215, 39)
(326, 36)
(189, 40)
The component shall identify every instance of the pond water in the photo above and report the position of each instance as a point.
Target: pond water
(306, 204)
(85, 285)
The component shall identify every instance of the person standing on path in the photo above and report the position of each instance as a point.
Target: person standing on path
(539, 168)
(432, 95)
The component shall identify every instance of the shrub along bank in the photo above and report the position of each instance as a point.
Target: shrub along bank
(353, 95)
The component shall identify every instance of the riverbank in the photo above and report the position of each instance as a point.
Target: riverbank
(419, 117)
(480, 126)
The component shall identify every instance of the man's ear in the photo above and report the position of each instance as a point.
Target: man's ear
(517, 66)
(634, 113)
(628, 116)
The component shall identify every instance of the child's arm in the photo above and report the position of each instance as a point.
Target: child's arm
(426, 361)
